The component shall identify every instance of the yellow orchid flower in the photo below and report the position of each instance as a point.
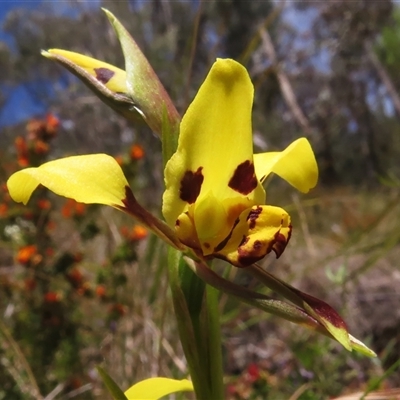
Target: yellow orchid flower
(214, 202)
(214, 196)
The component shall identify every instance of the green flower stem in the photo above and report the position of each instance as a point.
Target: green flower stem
(189, 336)
(214, 343)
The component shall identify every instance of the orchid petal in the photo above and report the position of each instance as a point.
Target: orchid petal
(258, 231)
(155, 388)
(296, 164)
(215, 153)
(95, 178)
(110, 76)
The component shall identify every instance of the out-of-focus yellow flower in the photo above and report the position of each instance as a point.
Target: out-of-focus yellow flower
(155, 388)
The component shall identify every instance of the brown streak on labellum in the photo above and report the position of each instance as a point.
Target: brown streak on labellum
(280, 242)
(104, 74)
(244, 178)
(257, 245)
(253, 215)
(244, 240)
(191, 185)
(222, 244)
(246, 260)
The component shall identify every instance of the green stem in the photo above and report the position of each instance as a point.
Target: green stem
(186, 331)
(215, 367)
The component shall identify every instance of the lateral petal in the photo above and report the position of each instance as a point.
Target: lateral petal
(296, 165)
(95, 178)
(112, 77)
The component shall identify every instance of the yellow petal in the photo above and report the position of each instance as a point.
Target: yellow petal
(155, 388)
(257, 231)
(296, 164)
(95, 178)
(112, 77)
(215, 149)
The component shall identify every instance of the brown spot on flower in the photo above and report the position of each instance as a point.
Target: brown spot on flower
(103, 74)
(253, 215)
(191, 185)
(206, 245)
(244, 240)
(257, 245)
(280, 242)
(246, 259)
(244, 179)
(221, 245)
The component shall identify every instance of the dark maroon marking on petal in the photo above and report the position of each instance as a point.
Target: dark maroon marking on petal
(244, 179)
(206, 245)
(191, 185)
(257, 245)
(253, 215)
(244, 240)
(246, 260)
(129, 201)
(221, 245)
(280, 242)
(103, 74)
(177, 222)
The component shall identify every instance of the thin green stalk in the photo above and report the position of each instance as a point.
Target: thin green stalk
(215, 367)
(186, 332)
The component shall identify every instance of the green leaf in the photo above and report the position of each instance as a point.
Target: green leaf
(112, 387)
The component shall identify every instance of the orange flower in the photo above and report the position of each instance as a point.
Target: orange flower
(72, 208)
(52, 297)
(34, 127)
(26, 253)
(23, 161)
(3, 209)
(20, 145)
(136, 152)
(52, 124)
(41, 147)
(44, 204)
(80, 209)
(101, 291)
(138, 232)
(22, 151)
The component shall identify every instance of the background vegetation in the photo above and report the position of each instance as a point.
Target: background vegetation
(82, 286)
